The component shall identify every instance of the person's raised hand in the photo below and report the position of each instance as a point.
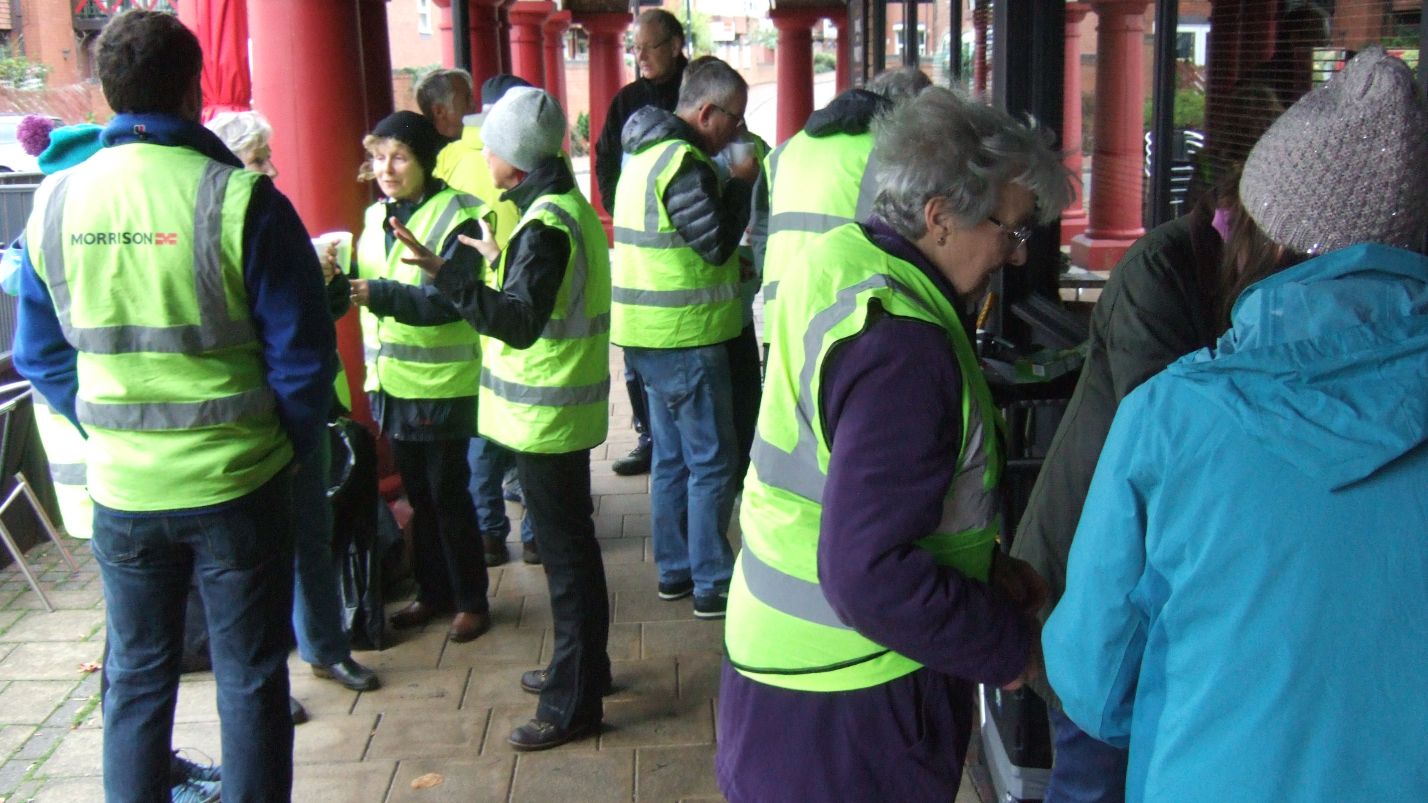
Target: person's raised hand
(421, 256)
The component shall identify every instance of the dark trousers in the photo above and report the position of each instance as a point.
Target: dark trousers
(1086, 770)
(450, 570)
(557, 495)
(242, 556)
(639, 403)
(746, 390)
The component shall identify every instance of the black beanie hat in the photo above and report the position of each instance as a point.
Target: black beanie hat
(415, 132)
(495, 87)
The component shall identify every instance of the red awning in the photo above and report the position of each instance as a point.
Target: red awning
(222, 29)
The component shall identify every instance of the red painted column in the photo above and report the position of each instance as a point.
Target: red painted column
(844, 68)
(554, 30)
(981, 21)
(318, 123)
(527, 39)
(376, 60)
(485, 31)
(795, 67)
(607, 74)
(443, 33)
(503, 35)
(1073, 220)
(1115, 221)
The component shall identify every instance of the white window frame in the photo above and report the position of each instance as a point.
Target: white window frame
(423, 16)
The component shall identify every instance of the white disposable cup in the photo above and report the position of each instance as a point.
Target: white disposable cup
(740, 152)
(344, 247)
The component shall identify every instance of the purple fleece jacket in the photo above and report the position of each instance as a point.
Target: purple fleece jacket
(892, 398)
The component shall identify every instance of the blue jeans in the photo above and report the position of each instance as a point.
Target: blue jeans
(242, 557)
(1086, 770)
(694, 459)
(317, 595)
(489, 463)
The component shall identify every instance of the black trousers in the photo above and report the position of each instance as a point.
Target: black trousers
(447, 561)
(557, 497)
(746, 386)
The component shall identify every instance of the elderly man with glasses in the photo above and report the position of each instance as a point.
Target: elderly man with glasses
(658, 50)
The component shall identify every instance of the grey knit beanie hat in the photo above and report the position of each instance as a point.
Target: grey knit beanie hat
(1347, 164)
(525, 127)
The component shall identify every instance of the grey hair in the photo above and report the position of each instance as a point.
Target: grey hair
(708, 80)
(438, 87)
(945, 144)
(242, 132)
(899, 84)
(665, 21)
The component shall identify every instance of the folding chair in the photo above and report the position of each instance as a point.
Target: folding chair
(8, 406)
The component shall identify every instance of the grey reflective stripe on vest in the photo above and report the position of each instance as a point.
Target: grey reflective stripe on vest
(69, 473)
(648, 239)
(675, 298)
(145, 416)
(968, 505)
(652, 199)
(214, 330)
(811, 222)
(773, 164)
(798, 598)
(867, 191)
(460, 201)
(576, 324)
(545, 396)
(797, 472)
(770, 293)
(431, 355)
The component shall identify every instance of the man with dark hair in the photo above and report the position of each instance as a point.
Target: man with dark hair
(659, 56)
(171, 305)
(676, 302)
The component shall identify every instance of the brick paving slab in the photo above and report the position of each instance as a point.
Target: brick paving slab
(337, 738)
(57, 626)
(502, 644)
(645, 606)
(505, 718)
(478, 780)
(53, 660)
(586, 777)
(71, 790)
(321, 697)
(41, 744)
(683, 637)
(12, 774)
(8, 618)
(620, 504)
(409, 650)
(653, 721)
(430, 689)
(429, 735)
(11, 737)
(698, 676)
(674, 773)
(343, 783)
(497, 683)
(197, 702)
(79, 754)
(30, 702)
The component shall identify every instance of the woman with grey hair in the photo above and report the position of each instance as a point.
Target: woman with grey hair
(249, 136)
(869, 597)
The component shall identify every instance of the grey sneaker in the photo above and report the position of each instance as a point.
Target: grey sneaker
(181, 769)
(192, 791)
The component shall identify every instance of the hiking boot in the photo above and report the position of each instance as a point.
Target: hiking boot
(636, 462)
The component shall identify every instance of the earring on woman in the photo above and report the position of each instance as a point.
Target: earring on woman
(942, 240)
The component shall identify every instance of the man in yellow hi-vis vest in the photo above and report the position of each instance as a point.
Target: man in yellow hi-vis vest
(676, 302)
(174, 310)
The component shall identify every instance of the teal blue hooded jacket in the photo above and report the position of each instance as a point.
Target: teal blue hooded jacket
(1247, 596)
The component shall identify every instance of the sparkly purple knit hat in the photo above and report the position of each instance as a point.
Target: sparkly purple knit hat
(1347, 164)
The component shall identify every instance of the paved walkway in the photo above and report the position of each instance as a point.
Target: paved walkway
(444, 708)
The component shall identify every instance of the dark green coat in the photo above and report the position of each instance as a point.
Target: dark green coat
(1156, 307)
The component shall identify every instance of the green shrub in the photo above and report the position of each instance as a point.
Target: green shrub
(1189, 110)
(824, 62)
(580, 135)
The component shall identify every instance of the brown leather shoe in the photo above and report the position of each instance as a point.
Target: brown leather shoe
(467, 626)
(414, 615)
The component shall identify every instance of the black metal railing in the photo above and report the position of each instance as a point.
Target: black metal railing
(91, 15)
